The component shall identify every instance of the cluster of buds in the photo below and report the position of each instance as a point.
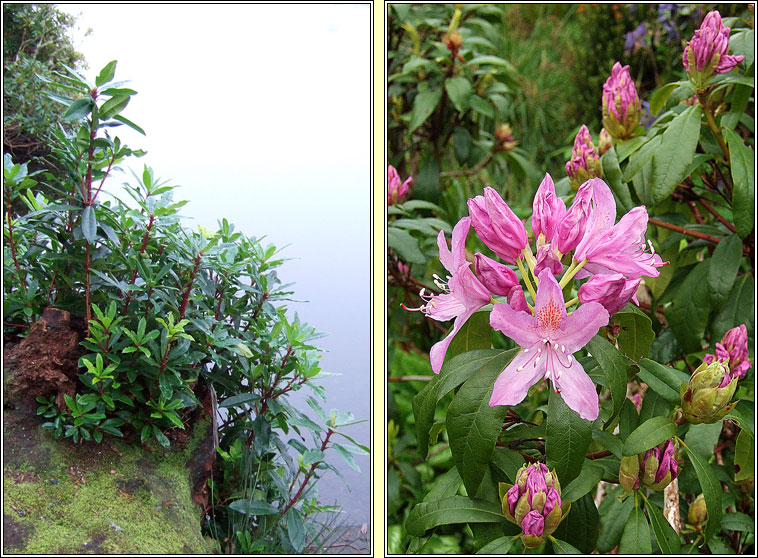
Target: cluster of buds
(585, 160)
(706, 54)
(733, 349)
(504, 139)
(654, 469)
(396, 192)
(452, 39)
(706, 399)
(534, 503)
(621, 104)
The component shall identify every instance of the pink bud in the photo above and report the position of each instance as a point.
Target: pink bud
(710, 46)
(621, 104)
(533, 523)
(497, 278)
(497, 226)
(396, 192)
(571, 228)
(613, 291)
(547, 258)
(584, 157)
(512, 497)
(735, 345)
(548, 209)
(517, 300)
(553, 500)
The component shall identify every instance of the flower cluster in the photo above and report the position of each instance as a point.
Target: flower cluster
(585, 160)
(534, 503)
(612, 257)
(655, 468)
(706, 53)
(396, 192)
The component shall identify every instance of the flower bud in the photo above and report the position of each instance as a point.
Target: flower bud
(585, 161)
(453, 41)
(396, 192)
(707, 396)
(571, 228)
(706, 54)
(497, 226)
(605, 142)
(613, 291)
(534, 503)
(629, 473)
(654, 469)
(621, 104)
(497, 278)
(517, 300)
(547, 258)
(547, 211)
(733, 347)
(503, 133)
(698, 513)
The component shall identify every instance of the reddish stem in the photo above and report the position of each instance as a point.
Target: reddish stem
(188, 288)
(717, 215)
(308, 476)
(9, 220)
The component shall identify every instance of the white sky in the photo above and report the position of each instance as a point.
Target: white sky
(262, 114)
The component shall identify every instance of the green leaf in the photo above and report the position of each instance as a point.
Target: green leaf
(663, 380)
(481, 106)
(239, 400)
(640, 158)
(405, 245)
(562, 547)
(459, 90)
(295, 529)
(612, 522)
(253, 507)
(636, 536)
(739, 308)
(462, 144)
(129, 123)
(473, 426)
(566, 440)
(673, 158)
(475, 334)
(665, 536)
(744, 456)
(106, 74)
(89, 224)
(508, 461)
(742, 164)
(454, 372)
(579, 527)
(629, 420)
(79, 109)
(609, 442)
(688, 313)
(349, 459)
(636, 334)
(659, 98)
(625, 148)
(648, 435)
(423, 106)
(613, 364)
(738, 521)
(113, 106)
(584, 483)
(722, 272)
(498, 546)
(161, 437)
(711, 489)
(455, 509)
(613, 176)
(702, 438)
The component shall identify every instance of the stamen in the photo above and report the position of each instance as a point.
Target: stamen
(526, 350)
(649, 243)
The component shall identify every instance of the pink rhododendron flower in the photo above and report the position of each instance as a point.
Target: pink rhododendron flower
(585, 160)
(463, 294)
(497, 278)
(497, 226)
(549, 339)
(547, 259)
(621, 104)
(396, 192)
(533, 523)
(548, 210)
(733, 347)
(517, 300)
(571, 228)
(612, 290)
(707, 51)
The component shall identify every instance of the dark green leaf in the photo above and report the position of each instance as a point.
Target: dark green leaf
(295, 529)
(562, 547)
(641, 157)
(459, 90)
(629, 419)
(738, 521)
(89, 223)
(688, 313)
(579, 527)
(673, 157)
(473, 426)
(636, 536)
(609, 442)
(739, 308)
(498, 546)
(462, 144)
(106, 74)
(253, 507)
(475, 334)
(349, 459)
(702, 438)
(113, 106)
(636, 334)
(423, 106)
(455, 509)
(722, 272)
(663, 380)
(79, 109)
(161, 437)
(129, 123)
(612, 523)
(659, 98)
(584, 483)
(612, 175)
(665, 536)
(567, 438)
(711, 489)
(744, 456)
(648, 435)
(742, 164)
(405, 245)
(613, 364)
(239, 400)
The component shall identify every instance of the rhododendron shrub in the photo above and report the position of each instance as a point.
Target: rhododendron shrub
(596, 373)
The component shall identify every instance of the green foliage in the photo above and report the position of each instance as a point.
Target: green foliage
(173, 316)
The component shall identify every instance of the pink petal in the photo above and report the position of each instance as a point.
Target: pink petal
(512, 384)
(519, 326)
(438, 350)
(578, 391)
(549, 308)
(582, 325)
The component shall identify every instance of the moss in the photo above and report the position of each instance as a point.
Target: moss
(136, 502)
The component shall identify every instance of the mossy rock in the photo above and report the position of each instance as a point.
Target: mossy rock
(107, 498)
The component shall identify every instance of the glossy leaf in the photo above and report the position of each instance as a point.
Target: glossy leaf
(738, 309)
(663, 380)
(742, 164)
(253, 507)
(562, 547)
(744, 456)
(580, 527)
(612, 522)
(475, 334)
(458, 90)
(567, 438)
(613, 176)
(636, 334)
(89, 224)
(711, 489)
(79, 109)
(688, 313)
(665, 536)
(636, 536)
(423, 106)
(455, 509)
(648, 435)
(498, 546)
(613, 364)
(672, 160)
(722, 272)
(583, 484)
